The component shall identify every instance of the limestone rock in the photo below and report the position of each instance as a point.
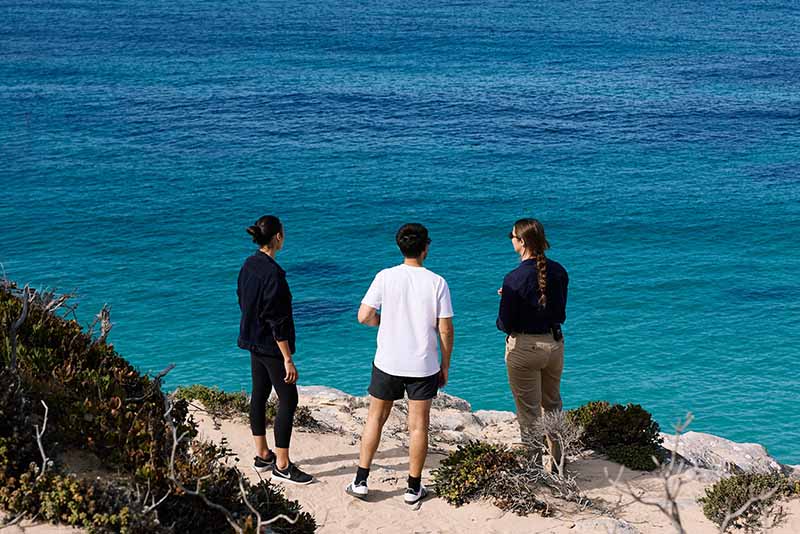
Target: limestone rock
(604, 524)
(494, 417)
(443, 400)
(451, 419)
(323, 394)
(719, 454)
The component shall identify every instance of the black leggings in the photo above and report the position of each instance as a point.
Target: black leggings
(268, 372)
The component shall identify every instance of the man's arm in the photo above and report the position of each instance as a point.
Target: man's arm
(368, 315)
(446, 337)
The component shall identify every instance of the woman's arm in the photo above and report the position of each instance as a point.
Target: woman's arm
(276, 309)
(506, 316)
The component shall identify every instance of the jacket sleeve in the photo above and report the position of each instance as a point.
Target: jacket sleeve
(508, 309)
(276, 308)
(560, 293)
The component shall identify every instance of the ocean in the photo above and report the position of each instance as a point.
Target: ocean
(657, 142)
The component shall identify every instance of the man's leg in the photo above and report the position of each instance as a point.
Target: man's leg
(419, 416)
(379, 411)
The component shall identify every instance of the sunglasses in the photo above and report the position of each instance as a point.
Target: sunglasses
(512, 236)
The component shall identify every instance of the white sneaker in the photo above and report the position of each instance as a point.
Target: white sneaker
(359, 491)
(413, 497)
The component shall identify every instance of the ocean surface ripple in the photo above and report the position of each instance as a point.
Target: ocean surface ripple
(657, 142)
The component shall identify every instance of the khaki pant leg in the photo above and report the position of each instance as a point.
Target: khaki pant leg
(551, 379)
(551, 392)
(524, 363)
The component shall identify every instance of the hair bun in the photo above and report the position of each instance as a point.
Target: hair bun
(253, 230)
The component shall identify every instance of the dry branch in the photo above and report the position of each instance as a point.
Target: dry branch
(671, 475)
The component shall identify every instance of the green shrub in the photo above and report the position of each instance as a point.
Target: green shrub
(237, 405)
(730, 494)
(461, 476)
(99, 402)
(638, 457)
(216, 401)
(626, 434)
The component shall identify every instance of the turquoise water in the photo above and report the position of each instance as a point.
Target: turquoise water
(658, 144)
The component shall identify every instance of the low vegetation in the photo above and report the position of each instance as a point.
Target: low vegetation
(754, 496)
(627, 434)
(237, 405)
(63, 388)
(477, 470)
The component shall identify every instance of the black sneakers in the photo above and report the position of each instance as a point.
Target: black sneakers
(262, 465)
(292, 474)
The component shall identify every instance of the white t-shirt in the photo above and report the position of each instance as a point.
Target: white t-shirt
(411, 300)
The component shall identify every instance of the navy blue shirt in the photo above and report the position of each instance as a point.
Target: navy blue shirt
(266, 305)
(519, 303)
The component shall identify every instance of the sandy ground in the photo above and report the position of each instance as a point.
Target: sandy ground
(332, 458)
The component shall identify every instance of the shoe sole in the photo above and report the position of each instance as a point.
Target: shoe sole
(275, 478)
(359, 496)
(262, 469)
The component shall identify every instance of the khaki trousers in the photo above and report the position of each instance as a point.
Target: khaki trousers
(534, 364)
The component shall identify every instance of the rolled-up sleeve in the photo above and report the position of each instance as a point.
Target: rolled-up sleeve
(276, 307)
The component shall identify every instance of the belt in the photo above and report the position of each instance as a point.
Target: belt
(555, 330)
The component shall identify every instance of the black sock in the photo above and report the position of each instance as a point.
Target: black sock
(362, 474)
(414, 482)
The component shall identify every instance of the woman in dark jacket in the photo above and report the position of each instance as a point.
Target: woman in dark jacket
(267, 331)
(532, 308)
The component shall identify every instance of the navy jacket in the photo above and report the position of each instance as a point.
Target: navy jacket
(519, 304)
(266, 305)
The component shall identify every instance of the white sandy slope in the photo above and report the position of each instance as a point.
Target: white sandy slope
(332, 456)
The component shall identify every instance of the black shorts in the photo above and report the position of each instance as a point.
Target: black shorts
(391, 388)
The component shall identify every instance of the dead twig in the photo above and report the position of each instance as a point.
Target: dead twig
(731, 516)
(672, 478)
(27, 299)
(39, 435)
(104, 316)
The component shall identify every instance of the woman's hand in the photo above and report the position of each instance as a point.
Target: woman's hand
(291, 372)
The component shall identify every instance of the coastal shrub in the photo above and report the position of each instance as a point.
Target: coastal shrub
(730, 494)
(627, 434)
(208, 468)
(100, 403)
(479, 470)
(461, 476)
(96, 505)
(237, 405)
(216, 401)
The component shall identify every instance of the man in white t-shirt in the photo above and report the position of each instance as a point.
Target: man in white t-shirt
(411, 307)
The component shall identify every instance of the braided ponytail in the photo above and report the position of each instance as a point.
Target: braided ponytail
(531, 233)
(541, 268)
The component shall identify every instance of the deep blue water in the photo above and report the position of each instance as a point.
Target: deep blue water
(658, 142)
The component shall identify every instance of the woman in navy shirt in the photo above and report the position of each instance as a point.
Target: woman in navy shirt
(267, 331)
(532, 308)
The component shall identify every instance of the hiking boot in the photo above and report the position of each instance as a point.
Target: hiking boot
(358, 490)
(262, 465)
(413, 497)
(292, 474)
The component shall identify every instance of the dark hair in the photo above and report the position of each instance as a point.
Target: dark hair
(265, 229)
(531, 233)
(412, 238)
